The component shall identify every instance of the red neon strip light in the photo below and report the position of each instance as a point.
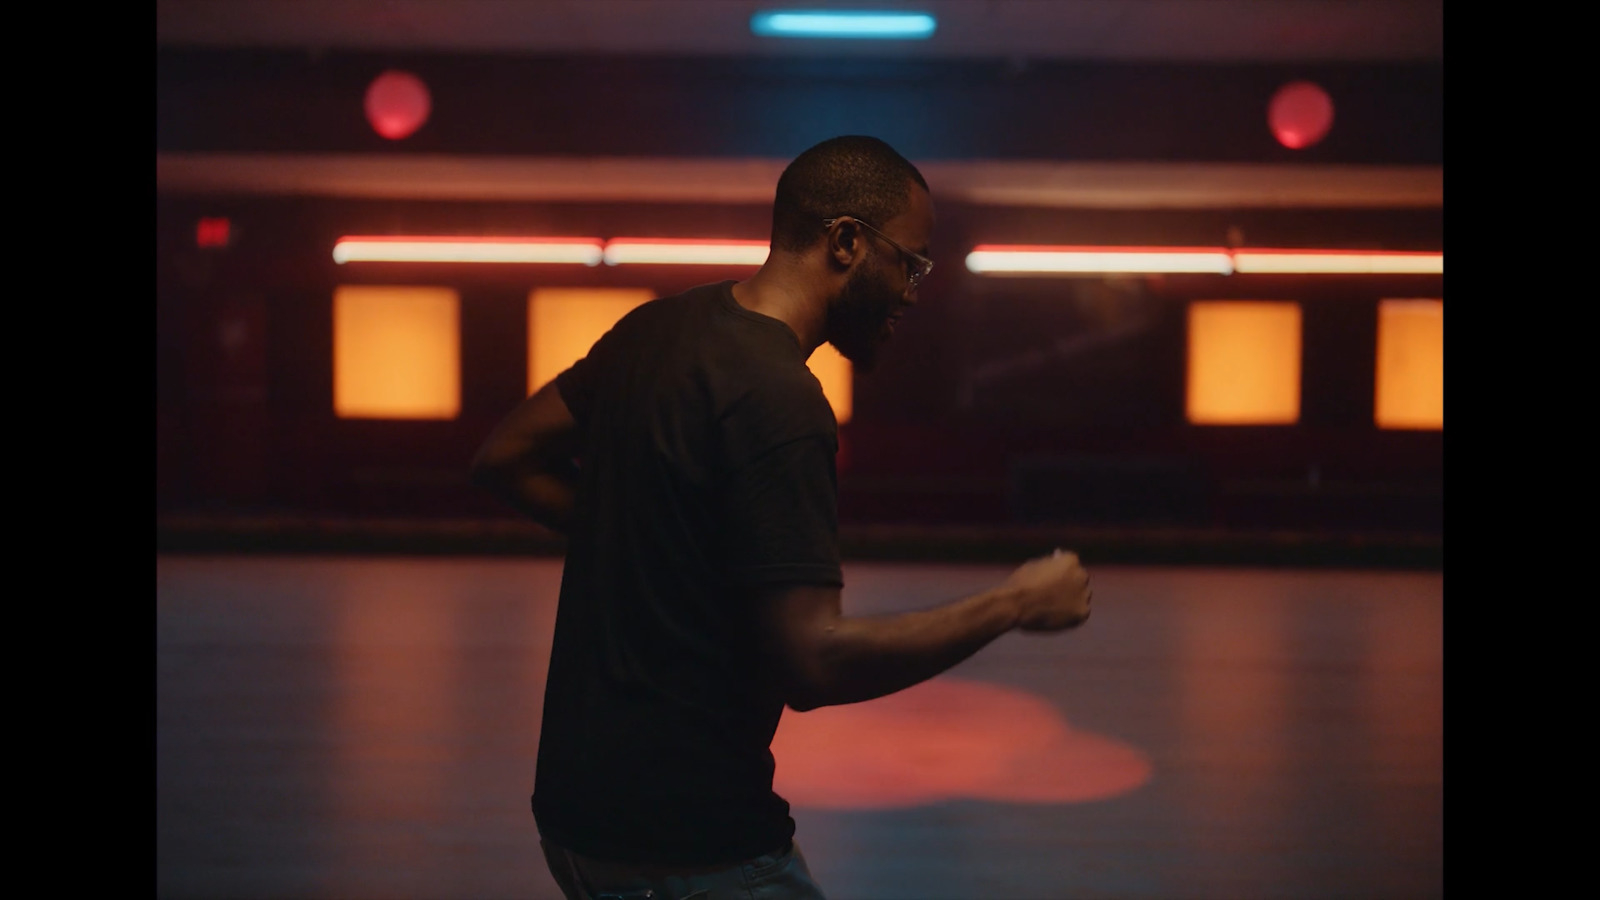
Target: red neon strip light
(1333, 262)
(1089, 248)
(455, 248)
(685, 251)
(1042, 259)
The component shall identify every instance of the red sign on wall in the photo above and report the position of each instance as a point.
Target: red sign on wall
(212, 232)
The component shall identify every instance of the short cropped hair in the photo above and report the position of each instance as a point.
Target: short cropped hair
(853, 175)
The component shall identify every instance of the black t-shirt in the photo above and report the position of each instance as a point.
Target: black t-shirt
(707, 471)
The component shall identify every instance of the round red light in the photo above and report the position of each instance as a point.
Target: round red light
(397, 104)
(1300, 114)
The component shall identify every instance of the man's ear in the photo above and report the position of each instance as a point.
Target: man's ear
(844, 242)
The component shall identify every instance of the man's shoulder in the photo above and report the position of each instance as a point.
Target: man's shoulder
(699, 297)
(787, 382)
(781, 403)
(674, 318)
(673, 305)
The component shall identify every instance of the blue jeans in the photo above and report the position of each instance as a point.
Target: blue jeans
(781, 875)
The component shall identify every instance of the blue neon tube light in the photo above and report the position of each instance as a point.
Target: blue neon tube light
(902, 26)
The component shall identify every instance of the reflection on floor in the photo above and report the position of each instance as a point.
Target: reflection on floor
(947, 739)
(365, 727)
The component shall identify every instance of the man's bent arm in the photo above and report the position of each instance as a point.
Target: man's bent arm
(823, 658)
(527, 460)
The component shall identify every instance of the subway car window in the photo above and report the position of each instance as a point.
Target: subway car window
(1244, 363)
(396, 352)
(1410, 373)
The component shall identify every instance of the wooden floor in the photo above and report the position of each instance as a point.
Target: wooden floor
(365, 728)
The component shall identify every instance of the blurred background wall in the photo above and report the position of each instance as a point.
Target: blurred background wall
(1163, 410)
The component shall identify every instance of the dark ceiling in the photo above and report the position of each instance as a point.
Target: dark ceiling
(1233, 31)
(1111, 103)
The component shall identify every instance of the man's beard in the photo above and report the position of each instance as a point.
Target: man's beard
(856, 321)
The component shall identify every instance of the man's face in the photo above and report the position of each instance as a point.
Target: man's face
(876, 293)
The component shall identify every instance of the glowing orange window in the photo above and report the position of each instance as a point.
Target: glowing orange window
(834, 371)
(1244, 363)
(1410, 391)
(563, 323)
(396, 352)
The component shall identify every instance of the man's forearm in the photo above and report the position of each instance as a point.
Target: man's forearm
(527, 460)
(865, 657)
(544, 496)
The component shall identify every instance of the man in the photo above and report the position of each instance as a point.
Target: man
(701, 591)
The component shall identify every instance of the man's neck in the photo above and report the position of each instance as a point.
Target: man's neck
(782, 291)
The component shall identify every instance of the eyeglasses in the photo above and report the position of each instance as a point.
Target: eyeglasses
(919, 265)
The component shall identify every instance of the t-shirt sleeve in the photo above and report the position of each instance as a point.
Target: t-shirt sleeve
(781, 507)
(577, 384)
(782, 516)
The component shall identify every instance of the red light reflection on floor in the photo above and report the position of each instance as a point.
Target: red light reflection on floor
(946, 739)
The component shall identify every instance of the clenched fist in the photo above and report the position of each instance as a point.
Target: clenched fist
(1054, 592)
